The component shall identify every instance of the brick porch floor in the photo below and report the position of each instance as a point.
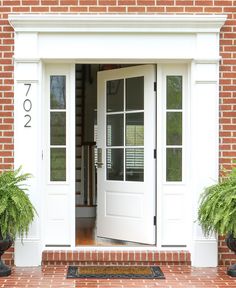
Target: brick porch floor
(176, 276)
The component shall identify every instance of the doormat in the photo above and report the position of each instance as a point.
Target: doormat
(117, 272)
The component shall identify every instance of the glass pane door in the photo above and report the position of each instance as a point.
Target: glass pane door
(126, 166)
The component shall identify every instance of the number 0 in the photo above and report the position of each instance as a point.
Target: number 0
(27, 105)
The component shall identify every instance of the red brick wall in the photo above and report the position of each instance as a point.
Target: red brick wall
(226, 257)
(8, 256)
(227, 68)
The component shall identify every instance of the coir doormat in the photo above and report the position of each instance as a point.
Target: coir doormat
(104, 272)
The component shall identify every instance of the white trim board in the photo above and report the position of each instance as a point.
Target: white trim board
(116, 23)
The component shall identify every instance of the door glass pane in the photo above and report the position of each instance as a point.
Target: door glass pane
(58, 92)
(115, 95)
(135, 93)
(58, 164)
(134, 164)
(174, 128)
(115, 164)
(174, 92)
(58, 128)
(115, 130)
(135, 129)
(174, 164)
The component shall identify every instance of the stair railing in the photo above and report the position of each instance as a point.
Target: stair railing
(88, 174)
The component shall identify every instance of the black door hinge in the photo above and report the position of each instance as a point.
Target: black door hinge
(154, 220)
(155, 86)
(155, 154)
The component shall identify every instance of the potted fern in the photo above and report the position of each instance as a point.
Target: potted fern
(217, 212)
(16, 211)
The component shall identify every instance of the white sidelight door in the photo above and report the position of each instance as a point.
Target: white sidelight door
(126, 154)
(59, 155)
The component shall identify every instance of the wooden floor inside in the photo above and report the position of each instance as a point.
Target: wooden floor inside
(86, 235)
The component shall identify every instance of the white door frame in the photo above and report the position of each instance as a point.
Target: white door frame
(122, 39)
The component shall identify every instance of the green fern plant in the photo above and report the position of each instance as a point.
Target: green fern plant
(217, 209)
(16, 210)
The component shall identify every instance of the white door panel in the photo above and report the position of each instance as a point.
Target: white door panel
(59, 155)
(126, 139)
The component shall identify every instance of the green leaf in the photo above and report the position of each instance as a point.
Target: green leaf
(16, 209)
(217, 208)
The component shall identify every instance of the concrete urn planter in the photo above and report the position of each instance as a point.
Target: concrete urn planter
(5, 244)
(231, 243)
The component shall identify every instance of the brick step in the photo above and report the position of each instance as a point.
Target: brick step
(63, 257)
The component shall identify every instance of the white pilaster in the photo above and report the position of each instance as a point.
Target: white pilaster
(204, 152)
(27, 131)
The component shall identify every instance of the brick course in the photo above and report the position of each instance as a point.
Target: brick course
(50, 257)
(227, 65)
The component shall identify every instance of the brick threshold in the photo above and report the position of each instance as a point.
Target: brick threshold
(100, 257)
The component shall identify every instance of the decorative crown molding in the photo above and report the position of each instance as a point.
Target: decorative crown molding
(116, 23)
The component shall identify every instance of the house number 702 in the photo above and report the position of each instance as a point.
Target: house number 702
(27, 106)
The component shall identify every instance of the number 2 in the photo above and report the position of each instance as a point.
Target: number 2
(27, 124)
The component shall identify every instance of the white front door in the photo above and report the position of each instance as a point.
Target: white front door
(126, 162)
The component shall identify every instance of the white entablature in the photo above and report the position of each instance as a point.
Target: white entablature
(130, 38)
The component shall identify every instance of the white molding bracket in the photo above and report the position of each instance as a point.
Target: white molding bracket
(107, 23)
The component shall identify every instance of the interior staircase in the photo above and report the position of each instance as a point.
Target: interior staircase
(79, 131)
(85, 169)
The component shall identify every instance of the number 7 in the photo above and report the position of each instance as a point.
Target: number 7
(29, 86)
